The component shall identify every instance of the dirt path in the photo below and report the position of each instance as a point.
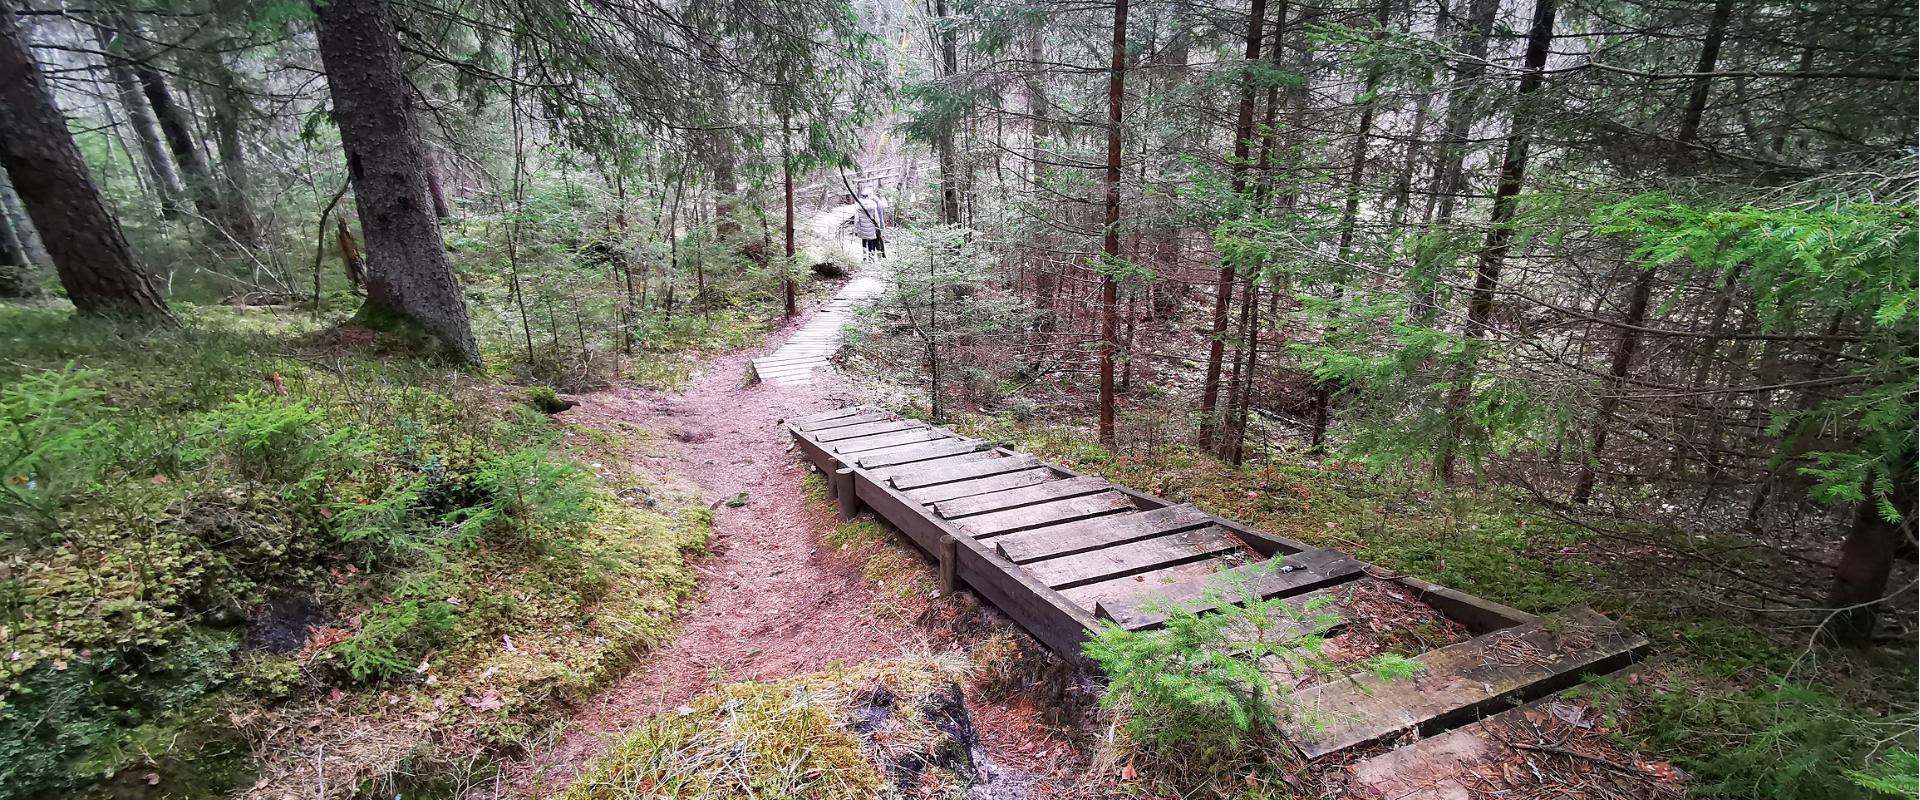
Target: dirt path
(772, 603)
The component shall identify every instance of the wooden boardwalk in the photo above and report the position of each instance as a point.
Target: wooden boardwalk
(808, 349)
(1061, 553)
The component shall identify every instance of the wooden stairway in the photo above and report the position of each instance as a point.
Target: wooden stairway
(1063, 553)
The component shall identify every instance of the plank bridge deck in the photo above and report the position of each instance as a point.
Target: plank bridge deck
(1061, 553)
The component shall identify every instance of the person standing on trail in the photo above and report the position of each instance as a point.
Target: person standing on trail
(869, 222)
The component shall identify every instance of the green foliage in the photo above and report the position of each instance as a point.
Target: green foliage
(1804, 265)
(161, 486)
(545, 400)
(1775, 742)
(393, 636)
(1195, 686)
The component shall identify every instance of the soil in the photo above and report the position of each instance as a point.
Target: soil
(775, 600)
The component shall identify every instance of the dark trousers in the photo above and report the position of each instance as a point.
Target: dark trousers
(874, 247)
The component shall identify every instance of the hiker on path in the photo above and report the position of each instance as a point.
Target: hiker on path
(869, 222)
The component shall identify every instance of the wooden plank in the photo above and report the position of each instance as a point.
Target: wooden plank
(865, 429)
(920, 452)
(947, 472)
(991, 483)
(1459, 682)
(872, 415)
(1077, 537)
(883, 474)
(1300, 572)
(843, 411)
(1050, 513)
(888, 440)
(1053, 620)
(1131, 559)
(1024, 496)
(1092, 595)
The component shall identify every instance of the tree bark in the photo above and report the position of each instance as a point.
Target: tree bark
(1866, 560)
(236, 185)
(407, 271)
(1623, 354)
(146, 130)
(786, 192)
(89, 250)
(949, 72)
(1223, 289)
(1486, 281)
(1110, 242)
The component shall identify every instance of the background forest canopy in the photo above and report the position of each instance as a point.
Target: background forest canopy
(1646, 264)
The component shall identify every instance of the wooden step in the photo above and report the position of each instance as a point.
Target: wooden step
(1051, 513)
(906, 454)
(1091, 596)
(1024, 496)
(1135, 557)
(1459, 682)
(884, 474)
(895, 439)
(1293, 574)
(801, 422)
(947, 472)
(1078, 537)
(986, 485)
(866, 429)
(814, 427)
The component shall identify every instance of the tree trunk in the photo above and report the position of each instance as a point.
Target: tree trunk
(1223, 288)
(786, 187)
(1486, 281)
(89, 250)
(441, 209)
(236, 186)
(1616, 381)
(949, 171)
(178, 132)
(1449, 174)
(1110, 242)
(407, 271)
(146, 130)
(1866, 559)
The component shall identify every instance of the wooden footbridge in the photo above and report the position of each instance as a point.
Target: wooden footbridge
(1061, 552)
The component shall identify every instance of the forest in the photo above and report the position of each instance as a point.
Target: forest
(417, 398)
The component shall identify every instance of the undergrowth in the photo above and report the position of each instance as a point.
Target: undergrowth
(210, 533)
(1731, 698)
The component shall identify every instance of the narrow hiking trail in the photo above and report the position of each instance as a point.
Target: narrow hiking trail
(772, 602)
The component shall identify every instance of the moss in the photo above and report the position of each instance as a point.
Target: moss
(545, 400)
(856, 532)
(832, 735)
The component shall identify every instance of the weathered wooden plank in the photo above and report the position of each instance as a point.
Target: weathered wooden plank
(991, 483)
(884, 474)
(1076, 537)
(909, 453)
(948, 471)
(872, 415)
(1092, 595)
(1044, 613)
(878, 441)
(865, 429)
(1050, 513)
(1294, 574)
(1024, 496)
(1459, 682)
(844, 411)
(1136, 557)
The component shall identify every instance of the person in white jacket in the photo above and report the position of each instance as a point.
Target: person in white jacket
(869, 223)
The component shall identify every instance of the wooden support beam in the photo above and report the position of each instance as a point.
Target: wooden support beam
(848, 497)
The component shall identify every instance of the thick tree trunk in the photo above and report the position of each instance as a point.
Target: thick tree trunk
(407, 270)
(177, 129)
(1223, 288)
(1486, 281)
(21, 254)
(89, 250)
(1110, 242)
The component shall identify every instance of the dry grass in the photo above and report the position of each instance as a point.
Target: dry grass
(816, 736)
